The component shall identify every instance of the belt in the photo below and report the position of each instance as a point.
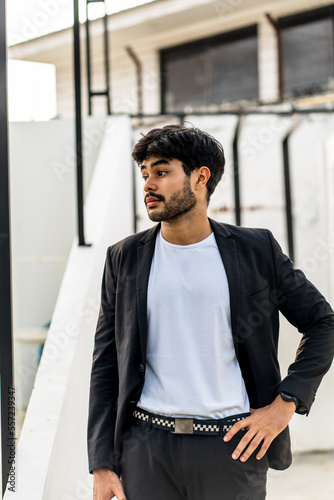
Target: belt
(188, 425)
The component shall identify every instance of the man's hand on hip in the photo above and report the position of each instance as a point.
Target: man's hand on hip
(263, 425)
(107, 485)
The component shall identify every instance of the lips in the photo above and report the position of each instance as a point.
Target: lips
(151, 201)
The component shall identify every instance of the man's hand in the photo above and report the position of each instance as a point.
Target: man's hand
(107, 485)
(263, 425)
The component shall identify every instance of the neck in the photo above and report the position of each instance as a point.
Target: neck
(190, 229)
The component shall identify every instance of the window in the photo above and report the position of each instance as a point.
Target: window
(211, 71)
(31, 91)
(308, 55)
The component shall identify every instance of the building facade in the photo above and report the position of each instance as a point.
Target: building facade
(201, 55)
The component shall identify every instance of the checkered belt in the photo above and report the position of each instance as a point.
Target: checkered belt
(189, 425)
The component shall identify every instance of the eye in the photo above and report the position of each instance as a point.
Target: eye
(144, 177)
(161, 173)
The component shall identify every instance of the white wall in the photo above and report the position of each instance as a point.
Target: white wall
(43, 221)
(51, 459)
(312, 187)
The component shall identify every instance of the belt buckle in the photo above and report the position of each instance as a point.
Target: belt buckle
(184, 426)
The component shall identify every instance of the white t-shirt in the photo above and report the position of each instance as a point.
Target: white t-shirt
(192, 370)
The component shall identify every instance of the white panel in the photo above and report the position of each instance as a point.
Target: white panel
(261, 174)
(43, 222)
(56, 418)
(329, 180)
(312, 198)
(309, 174)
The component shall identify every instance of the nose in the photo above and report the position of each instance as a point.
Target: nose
(150, 185)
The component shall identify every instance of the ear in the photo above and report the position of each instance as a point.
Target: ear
(202, 175)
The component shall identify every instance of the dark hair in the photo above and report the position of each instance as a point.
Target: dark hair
(193, 147)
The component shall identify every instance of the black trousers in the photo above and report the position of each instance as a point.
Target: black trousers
(159, 465)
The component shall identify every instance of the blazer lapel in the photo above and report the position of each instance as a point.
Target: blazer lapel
(144, 259)
(228, 251)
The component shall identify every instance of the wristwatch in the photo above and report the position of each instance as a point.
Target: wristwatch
(289, 398)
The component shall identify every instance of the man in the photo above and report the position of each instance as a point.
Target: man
(186, 398)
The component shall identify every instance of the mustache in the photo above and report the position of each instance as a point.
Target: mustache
(154, 195)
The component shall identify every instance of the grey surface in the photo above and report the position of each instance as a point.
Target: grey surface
(310, 477)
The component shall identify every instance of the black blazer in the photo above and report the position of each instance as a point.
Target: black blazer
(262, 282)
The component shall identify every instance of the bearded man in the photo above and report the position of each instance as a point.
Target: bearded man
(187, 401)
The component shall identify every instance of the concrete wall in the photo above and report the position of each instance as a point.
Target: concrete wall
(43, 219)
(51, 459)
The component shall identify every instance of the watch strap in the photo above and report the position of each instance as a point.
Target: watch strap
(289, 398)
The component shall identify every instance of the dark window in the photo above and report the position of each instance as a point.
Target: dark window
(210, 71)
(308, 55)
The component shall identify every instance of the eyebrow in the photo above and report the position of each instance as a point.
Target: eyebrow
(155, 164)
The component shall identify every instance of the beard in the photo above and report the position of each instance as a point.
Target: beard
(179, 204)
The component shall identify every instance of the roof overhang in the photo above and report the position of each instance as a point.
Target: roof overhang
(163, 17)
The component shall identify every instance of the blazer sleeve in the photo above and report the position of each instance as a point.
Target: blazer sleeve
(104, 379)
(305, 308)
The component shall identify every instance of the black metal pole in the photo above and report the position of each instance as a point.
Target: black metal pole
(240, 112)
(288, 200)
(106, 92)
(134, 197)
(287, 186)
(236, 172)
(106, 57)
(78, 123)
(89, 83)
(6, 343)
